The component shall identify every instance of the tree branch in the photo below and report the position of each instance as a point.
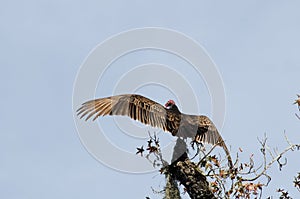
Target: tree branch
(189, 174)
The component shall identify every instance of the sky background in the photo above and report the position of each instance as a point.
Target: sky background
(254, 44)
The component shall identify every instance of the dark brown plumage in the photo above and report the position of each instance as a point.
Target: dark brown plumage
(149, 112)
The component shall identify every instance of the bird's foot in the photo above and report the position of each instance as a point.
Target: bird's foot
(197, 143)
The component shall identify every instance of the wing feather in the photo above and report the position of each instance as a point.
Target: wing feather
(212, 136)
(207, 131)
(136, 107)
(202, 130)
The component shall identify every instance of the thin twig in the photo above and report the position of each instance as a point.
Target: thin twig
(275, 159)
(214, 146)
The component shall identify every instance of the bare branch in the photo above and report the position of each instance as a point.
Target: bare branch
(209, 152)
(274, 158)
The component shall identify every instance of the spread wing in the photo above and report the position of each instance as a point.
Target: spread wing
(204, 131)
(200, 126)
(136, 107)
(212, 136)
(208, 132)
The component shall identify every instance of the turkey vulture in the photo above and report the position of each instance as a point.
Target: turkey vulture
(168, 117)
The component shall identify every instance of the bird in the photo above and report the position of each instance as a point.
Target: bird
(168, 117)
(297, 101)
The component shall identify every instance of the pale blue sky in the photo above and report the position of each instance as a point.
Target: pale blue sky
(255, 45)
